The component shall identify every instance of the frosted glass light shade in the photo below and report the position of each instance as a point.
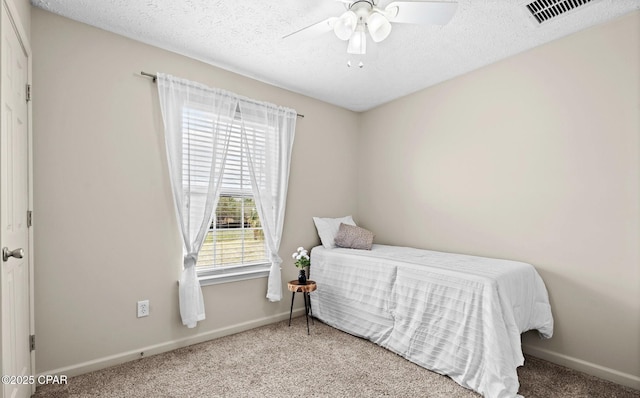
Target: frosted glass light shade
(346, 25)
(357, 42)
(379, 27)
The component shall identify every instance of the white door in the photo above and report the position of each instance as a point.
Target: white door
(14, 202)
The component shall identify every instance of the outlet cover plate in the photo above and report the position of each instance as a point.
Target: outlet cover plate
(143, 308)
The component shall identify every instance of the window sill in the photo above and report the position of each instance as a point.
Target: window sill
(215, 277)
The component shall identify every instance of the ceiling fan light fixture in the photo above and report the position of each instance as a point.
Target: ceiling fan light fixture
(358, 42)
(345, 25)
(364, 16)
(379, 27)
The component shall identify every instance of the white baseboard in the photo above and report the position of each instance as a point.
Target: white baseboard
(590, 368)
(117, 359)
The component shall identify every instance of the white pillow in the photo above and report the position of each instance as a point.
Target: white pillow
(328, 229)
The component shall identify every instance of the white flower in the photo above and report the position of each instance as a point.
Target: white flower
(294, 255)
(298, 257)
(300, 248)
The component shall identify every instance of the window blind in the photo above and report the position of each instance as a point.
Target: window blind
(235, 235)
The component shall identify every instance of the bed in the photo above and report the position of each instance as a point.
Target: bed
(454, 314)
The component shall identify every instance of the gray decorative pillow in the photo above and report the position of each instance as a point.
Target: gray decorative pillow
(353, 237)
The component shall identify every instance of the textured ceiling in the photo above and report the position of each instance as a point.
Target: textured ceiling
(245, 36)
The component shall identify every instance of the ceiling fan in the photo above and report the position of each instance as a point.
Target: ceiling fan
(366, 16)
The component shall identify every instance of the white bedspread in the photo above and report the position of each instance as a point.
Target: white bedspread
(457, 315)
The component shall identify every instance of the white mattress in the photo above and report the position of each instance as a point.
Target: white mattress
(457, 315)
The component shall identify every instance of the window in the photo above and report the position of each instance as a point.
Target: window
(234, 247)
(199, 121)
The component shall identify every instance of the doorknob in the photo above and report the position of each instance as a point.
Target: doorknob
(6, 253)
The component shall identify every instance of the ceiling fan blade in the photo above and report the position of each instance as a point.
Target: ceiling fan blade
(316, 29)
(421, 12)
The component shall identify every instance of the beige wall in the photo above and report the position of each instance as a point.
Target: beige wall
(104, 223)
(535, 158)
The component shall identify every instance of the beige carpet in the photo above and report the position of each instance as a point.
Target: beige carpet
(278, 361)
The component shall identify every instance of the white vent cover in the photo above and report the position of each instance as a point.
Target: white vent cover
(545, 10)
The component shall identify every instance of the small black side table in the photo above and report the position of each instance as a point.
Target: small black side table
(305, 289)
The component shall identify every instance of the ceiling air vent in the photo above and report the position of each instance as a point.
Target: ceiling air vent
(545, 10)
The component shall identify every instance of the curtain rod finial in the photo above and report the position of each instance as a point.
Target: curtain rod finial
(154, 77)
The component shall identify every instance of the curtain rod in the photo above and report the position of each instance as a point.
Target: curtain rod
(154, 77)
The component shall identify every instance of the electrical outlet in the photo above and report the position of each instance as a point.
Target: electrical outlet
(143, 308)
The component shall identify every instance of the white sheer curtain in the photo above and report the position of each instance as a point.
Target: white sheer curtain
(269, 164)
(195, 190)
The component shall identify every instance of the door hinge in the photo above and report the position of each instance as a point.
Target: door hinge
(29, 218)
(28, 94)
(32, 342)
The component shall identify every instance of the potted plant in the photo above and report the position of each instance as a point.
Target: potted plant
(302, 261)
